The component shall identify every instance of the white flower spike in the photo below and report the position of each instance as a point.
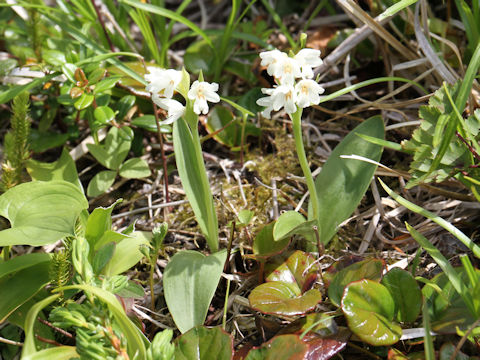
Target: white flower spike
(266, 101)
(161, 82)
(308, 59)
(174, 108)
(308, 93)
(286, 70)
(201, 92)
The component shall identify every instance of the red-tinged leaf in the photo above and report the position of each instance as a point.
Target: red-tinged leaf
(265, 246)
(285, 347)
(369, 309)
(324, 348)
(300, 268)
(367, 269)
(202, 343)
(317, 323)
(330, 273)
(282, 298)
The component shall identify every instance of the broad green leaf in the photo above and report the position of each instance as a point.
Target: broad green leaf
(369, 309)
(199, 56)
(62, 169)
(114, 150)
(127, 253)
(41, 141)
(190, 280)
(84, 101)
(69, 71)
(21, 286)
(405, 292)
(54, 57)
(342, 183)
(8, 95)
(40, 212)
(57, 353)
(201, 343)
(102, 257)
(124, 105)
(191, 168)
(281, 298)
(367, 269)
(136, 341)
(448, 349)
(103, 115)
(285, 347)
(22, 262)
(101, 182)
(245, 216)
(29, 348)
(265, 246)
(134, 168)
(292, 223)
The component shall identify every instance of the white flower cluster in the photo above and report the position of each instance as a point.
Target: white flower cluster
(290, 93)
(162, 84)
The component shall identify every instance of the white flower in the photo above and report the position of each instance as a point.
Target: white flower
(162, 82)
(308, 93)
(200, 92)
(271, 59)
(286, 70)
(308, 59)
(266, 101)
(174, 108)
(282, 96)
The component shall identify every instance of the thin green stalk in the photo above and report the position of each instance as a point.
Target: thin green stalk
(302, 158)
(225, 306)
(150, 282)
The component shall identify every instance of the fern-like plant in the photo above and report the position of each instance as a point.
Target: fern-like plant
(16, 143)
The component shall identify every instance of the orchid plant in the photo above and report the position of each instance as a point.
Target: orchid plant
(295, 90)
(162, 84)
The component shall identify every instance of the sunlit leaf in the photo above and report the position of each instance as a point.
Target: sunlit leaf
(201, 343)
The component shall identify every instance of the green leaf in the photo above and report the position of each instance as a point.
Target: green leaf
(19, 287)
(127, 253)
(124, 105)
(342, 182)
(367, 269)
(103, 114)
(84, 101)
(291, 223)
(62, 169)
(29, 348)
(54, 57)
(201, 343)
(448, 349)
(369, 309)
(189, 159)
(102, 257)
(136, 341)
(265, 246)
(40, 212)
(41, 141)
(285, 347)
(190, 280)
(245, 216)
(69, 71)
(98, 222)
(114, 150)
(57, 353)
(134, 168)
(8, 95)
(281, 298)
(199, 56)
(149, 123)
(22, 262)
(405, 292)
(106, 84)
(101, 182)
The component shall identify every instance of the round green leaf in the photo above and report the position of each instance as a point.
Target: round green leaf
(134, 168)
(369, 309)
(106, 84)
(40, 212)
(367, 269)
(201, 343)
(405, 292)
(264, 245)
(285, 347)
(101, 183)
(103, 114)
(84, 101)
(277, 297)
(190, 280)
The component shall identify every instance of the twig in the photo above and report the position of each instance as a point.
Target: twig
(464, 338)
(10, 342)
(102, 24)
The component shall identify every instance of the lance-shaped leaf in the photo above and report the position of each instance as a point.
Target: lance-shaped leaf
(369, 309)
(190, 280)
(40, 212)
(342, 182)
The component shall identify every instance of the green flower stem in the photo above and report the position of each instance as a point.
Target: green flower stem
(302, 158)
